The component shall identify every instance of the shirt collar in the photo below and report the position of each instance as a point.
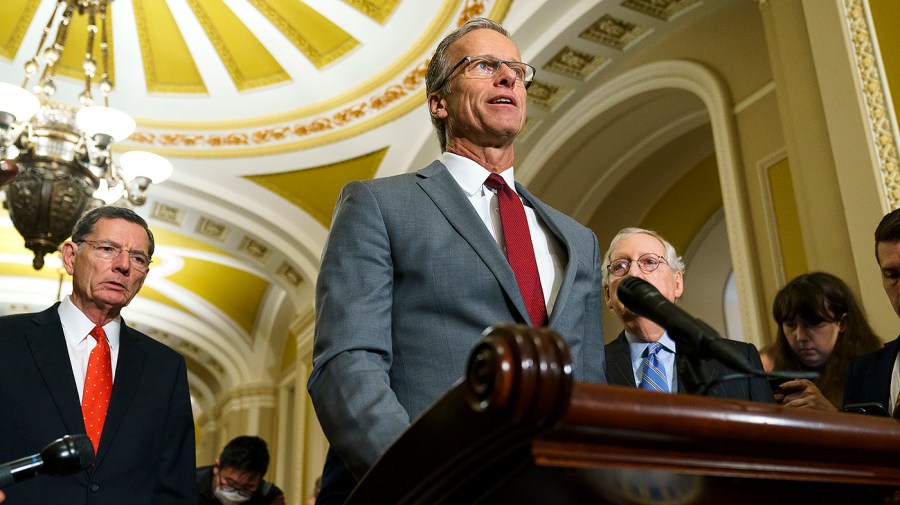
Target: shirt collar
(77, 326)
(470, 175)
(637, 345)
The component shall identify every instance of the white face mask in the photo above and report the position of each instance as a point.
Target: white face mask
(228, 496)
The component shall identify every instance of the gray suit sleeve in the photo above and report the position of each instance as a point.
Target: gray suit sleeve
(593, 357)
(352, 355)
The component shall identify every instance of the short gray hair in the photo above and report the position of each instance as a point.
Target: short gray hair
(439, 67)
(85, 225)
(672, 258)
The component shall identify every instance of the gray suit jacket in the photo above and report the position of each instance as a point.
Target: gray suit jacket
(620, 373)
(409, 280)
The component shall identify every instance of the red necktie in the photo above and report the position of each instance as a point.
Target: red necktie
(519, 249)
(97, 387)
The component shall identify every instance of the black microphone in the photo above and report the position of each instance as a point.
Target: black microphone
(692, 335)
(63, 456)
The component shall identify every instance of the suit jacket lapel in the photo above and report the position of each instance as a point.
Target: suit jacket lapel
(449, 198)
(882, 370)
(712, 371)
(618, 363)
(568, 279)
(48, 346)
(129, 367)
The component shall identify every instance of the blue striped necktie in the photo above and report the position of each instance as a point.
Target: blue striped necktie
(653, 373)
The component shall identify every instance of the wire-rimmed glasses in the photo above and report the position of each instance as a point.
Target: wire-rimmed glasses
(647, 263)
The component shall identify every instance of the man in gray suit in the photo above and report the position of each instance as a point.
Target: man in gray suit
(415, 268)
(645, 254)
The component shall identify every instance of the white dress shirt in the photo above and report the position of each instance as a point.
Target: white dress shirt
(547, 251)
(77, 328)
(895, 385)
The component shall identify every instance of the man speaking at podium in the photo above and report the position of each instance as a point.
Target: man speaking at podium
(643, 355)
(418, 265)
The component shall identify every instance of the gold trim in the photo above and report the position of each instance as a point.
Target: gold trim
(152, 79)
(230, 140)
(12, 44)
(225, 49)
(872, 84)
(429, 38)
(228, 144)
(377, 12)
(310, 18)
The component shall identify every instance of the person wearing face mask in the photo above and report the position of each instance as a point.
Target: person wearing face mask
(821, 328)
(237, 476)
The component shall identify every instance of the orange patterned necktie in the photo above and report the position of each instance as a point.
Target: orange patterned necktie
(97, 387)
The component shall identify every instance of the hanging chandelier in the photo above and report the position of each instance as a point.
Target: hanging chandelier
(56, 160)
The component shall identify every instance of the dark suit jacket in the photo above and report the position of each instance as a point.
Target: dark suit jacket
(620, 373)
(410, 278)
(869, 376)
(146, 452)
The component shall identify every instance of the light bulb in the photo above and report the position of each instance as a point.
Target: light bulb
(19, 102)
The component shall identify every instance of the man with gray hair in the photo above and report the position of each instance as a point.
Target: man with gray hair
(643, 355)
(416, 266)
(76, 367)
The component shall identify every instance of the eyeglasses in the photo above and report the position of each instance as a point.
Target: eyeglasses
(484, 67)
(646, 262)
(230, 484)
(111, 250)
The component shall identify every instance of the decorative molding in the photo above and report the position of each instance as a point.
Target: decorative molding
(667, 10)
(290, 274)
(773, 245)
(547, 96)
(247, 397)
(614, 32)
(167, 213)
(254, 249)
(882, 127)
(313, 22)
(185, 347)
(400, 95)
(379, 11)
(382, 100)
(472, 9)
(212, 229)
(227, 56)
(574, 63)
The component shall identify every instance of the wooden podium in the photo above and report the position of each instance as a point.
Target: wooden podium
(519, 430)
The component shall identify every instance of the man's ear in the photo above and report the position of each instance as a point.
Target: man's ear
(679, 285)
(606, 297)
(437, 106)
(68, 251)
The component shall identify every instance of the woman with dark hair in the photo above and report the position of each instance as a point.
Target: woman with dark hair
(821, 328)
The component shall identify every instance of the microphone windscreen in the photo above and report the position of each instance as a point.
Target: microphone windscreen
(67, 455)
(636, 294)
